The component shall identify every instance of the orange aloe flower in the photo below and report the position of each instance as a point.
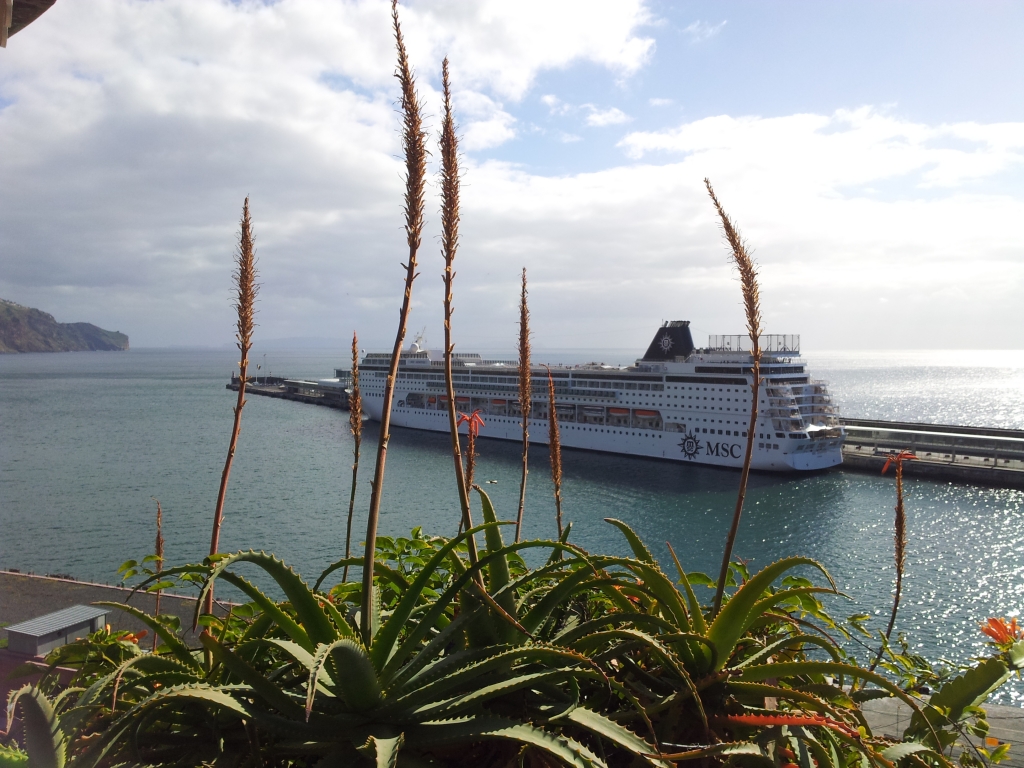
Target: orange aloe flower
(473, 420)
(897, 459)
(1002, 631)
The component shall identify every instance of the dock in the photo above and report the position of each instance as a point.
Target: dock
(330, 393)
(979, 455)
(976, 455)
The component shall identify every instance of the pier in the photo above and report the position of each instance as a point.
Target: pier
(330, 393)
(977, 455)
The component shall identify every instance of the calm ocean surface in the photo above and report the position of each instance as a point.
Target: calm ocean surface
(87, 439)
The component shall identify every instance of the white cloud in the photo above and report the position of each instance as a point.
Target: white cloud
(133, 130)
(486, 124)
(555, 105)
(602, 117)
(569, 138)
(699, 31)
(660, 102)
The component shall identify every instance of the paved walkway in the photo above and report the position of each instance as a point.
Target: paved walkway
(889, 717)
(24, 597)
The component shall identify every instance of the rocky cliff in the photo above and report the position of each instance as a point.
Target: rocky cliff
(23, 329)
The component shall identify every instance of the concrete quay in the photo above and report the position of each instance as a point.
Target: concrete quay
(324, 392)
(978, 455)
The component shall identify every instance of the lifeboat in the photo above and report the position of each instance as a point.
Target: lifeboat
(499, 402)
(593, 410)
(462, 400)
(648, 414)
(432, 399)
(619, 412)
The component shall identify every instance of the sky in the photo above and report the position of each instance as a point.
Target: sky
(871, 153)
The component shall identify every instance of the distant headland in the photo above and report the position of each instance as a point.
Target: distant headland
(23, 329)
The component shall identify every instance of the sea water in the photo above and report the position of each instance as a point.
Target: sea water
(89, 440)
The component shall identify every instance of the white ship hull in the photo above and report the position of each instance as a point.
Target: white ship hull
(714, 451)
(676, 403)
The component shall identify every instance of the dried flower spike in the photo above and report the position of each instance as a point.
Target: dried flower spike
(415, 149)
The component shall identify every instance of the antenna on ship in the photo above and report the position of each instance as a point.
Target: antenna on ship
(420, 341)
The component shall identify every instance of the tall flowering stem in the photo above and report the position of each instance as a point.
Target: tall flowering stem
(473, 423)
(555, 448)
(246, 291)
(449, 142)
(355, 425)
(525, 395)
(899, 540)
(752, 309)
(414, 145)
(159, 561)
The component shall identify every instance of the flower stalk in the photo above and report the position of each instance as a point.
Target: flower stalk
(246, 291)
(525, 396)
(449, 143)
(555, 451)
(899, 541)
(355, 425)
(158, 551)
(414, 146)
(752, 309)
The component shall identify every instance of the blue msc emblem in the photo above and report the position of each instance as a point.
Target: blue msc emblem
(690, 446)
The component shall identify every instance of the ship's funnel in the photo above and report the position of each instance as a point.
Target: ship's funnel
(672, 340)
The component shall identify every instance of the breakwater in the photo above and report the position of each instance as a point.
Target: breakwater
(977, 455)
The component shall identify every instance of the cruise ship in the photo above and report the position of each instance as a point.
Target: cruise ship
(677, 402)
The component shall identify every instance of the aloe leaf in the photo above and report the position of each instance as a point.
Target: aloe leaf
(381, 570)
(639, 548)
(311, 615)
(897, 752)
(469, 674)
(655, 645)
(771, 650)
(556, 553)
(173, 643)
(1016, 655)
(700, 626)
(580, 581)
(197, 692)
(759, 690)
(572, 634)
(437, 609)
(240, 668)
(293, 649)
(717, 750)
(340, 622)
(794, 668)
(270, 608)
(967, 690)
(765, 604)
(429, 653)
(383, 751)
(479, 728)
(615, 733)
(386, 639)
(44, 740)
(658, 585)
(733, 619)
(498, 574)
(356, 680)
(474, 699)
